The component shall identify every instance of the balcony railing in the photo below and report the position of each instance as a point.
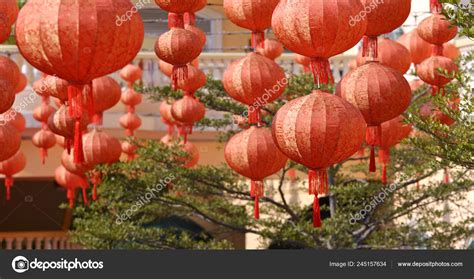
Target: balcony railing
(36, 241)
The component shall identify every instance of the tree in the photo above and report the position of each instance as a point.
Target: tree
(361, 216)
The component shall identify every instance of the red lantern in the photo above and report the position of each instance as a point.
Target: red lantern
(430, 110)
(389, 98)
(10, 141)
(255, 81)
(419, 48)
(302, 27)
(437, 30)
(195, 80)
(382, 17)
(253, 154)
(44, 139)
(428, 71)
(107, 94)
(178, 47)
(131, 98)
(393, 131)
(192, 154)
(131, 74)
(52, 86)
(68, 163)
(255, 15)
(22, 83)
(390, 54)
(271, 49)
(43, 112)
(9, 8)
(71, 182)
(101, 148)
(7, 95)
(190, 25)
(179, 6)
(13, 118)
(165, 113)
(187, 111)
(318, 130)
(130, 122)
(9, 71)
(10, 167)
(451, 51)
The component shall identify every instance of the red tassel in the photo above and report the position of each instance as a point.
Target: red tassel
(446, 176)
(84, 196)
(96, 179)
(8, 185)
(78, 153)
(256, 209)
(384, 174)
(43, 155)
(254, 115)
(180, 72)
(321, 70)
(316, 213)
(373, 135)
(370, 47)
(318, 182)
(435, 6)
(71, 197)
(372, 167)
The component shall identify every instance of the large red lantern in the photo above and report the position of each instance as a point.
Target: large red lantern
(318, 130)
(10, 141)
(253, 154)
(437, 30)
(107, 93)
(10, 167)
(419, 48)
(44, 139)
(255, 15)
(390, 54)
(255, 81)
(389, 98)
(382, 17)
(318, 29)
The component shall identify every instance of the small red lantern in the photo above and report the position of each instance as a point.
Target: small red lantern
(22, 83)
(428, 71)
(10, 141)
(419, 48)
(130, 122)
(131, 74)
(390, 54)
(437, 30)
(107, 93)
(10, 167)
(7, 95)
(451, 51)
(192, 154)
(44, 139)
(131, 98)
(68, 163)
(271, 49)
(187, 111)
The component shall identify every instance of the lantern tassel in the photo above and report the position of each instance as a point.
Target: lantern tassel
(8, 186)
(84, 196)
(321, 70)
(318, 182)
(446, 176)
(43, 155)
(256, 209)
(370, 47)
(372, 166)
(71, 197)
(384, 174)
(254, 115)
(78, 153)
(316, 213)
(180, 72)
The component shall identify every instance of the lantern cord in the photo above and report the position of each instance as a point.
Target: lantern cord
(175, 20)
(67, 145)
(318, 182)
(78, 153)
(43, 155)
(372, 167)
(180, 73)
(258, 39)
(8, 186)
(446, 176)
(96, 179)
(254, 114)
(129, 132)
(321, 71)
(370, 47)
(316, 212)
(131, 109)
(435, 6)
(71, 196)
(256, 208)
(384, 174)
